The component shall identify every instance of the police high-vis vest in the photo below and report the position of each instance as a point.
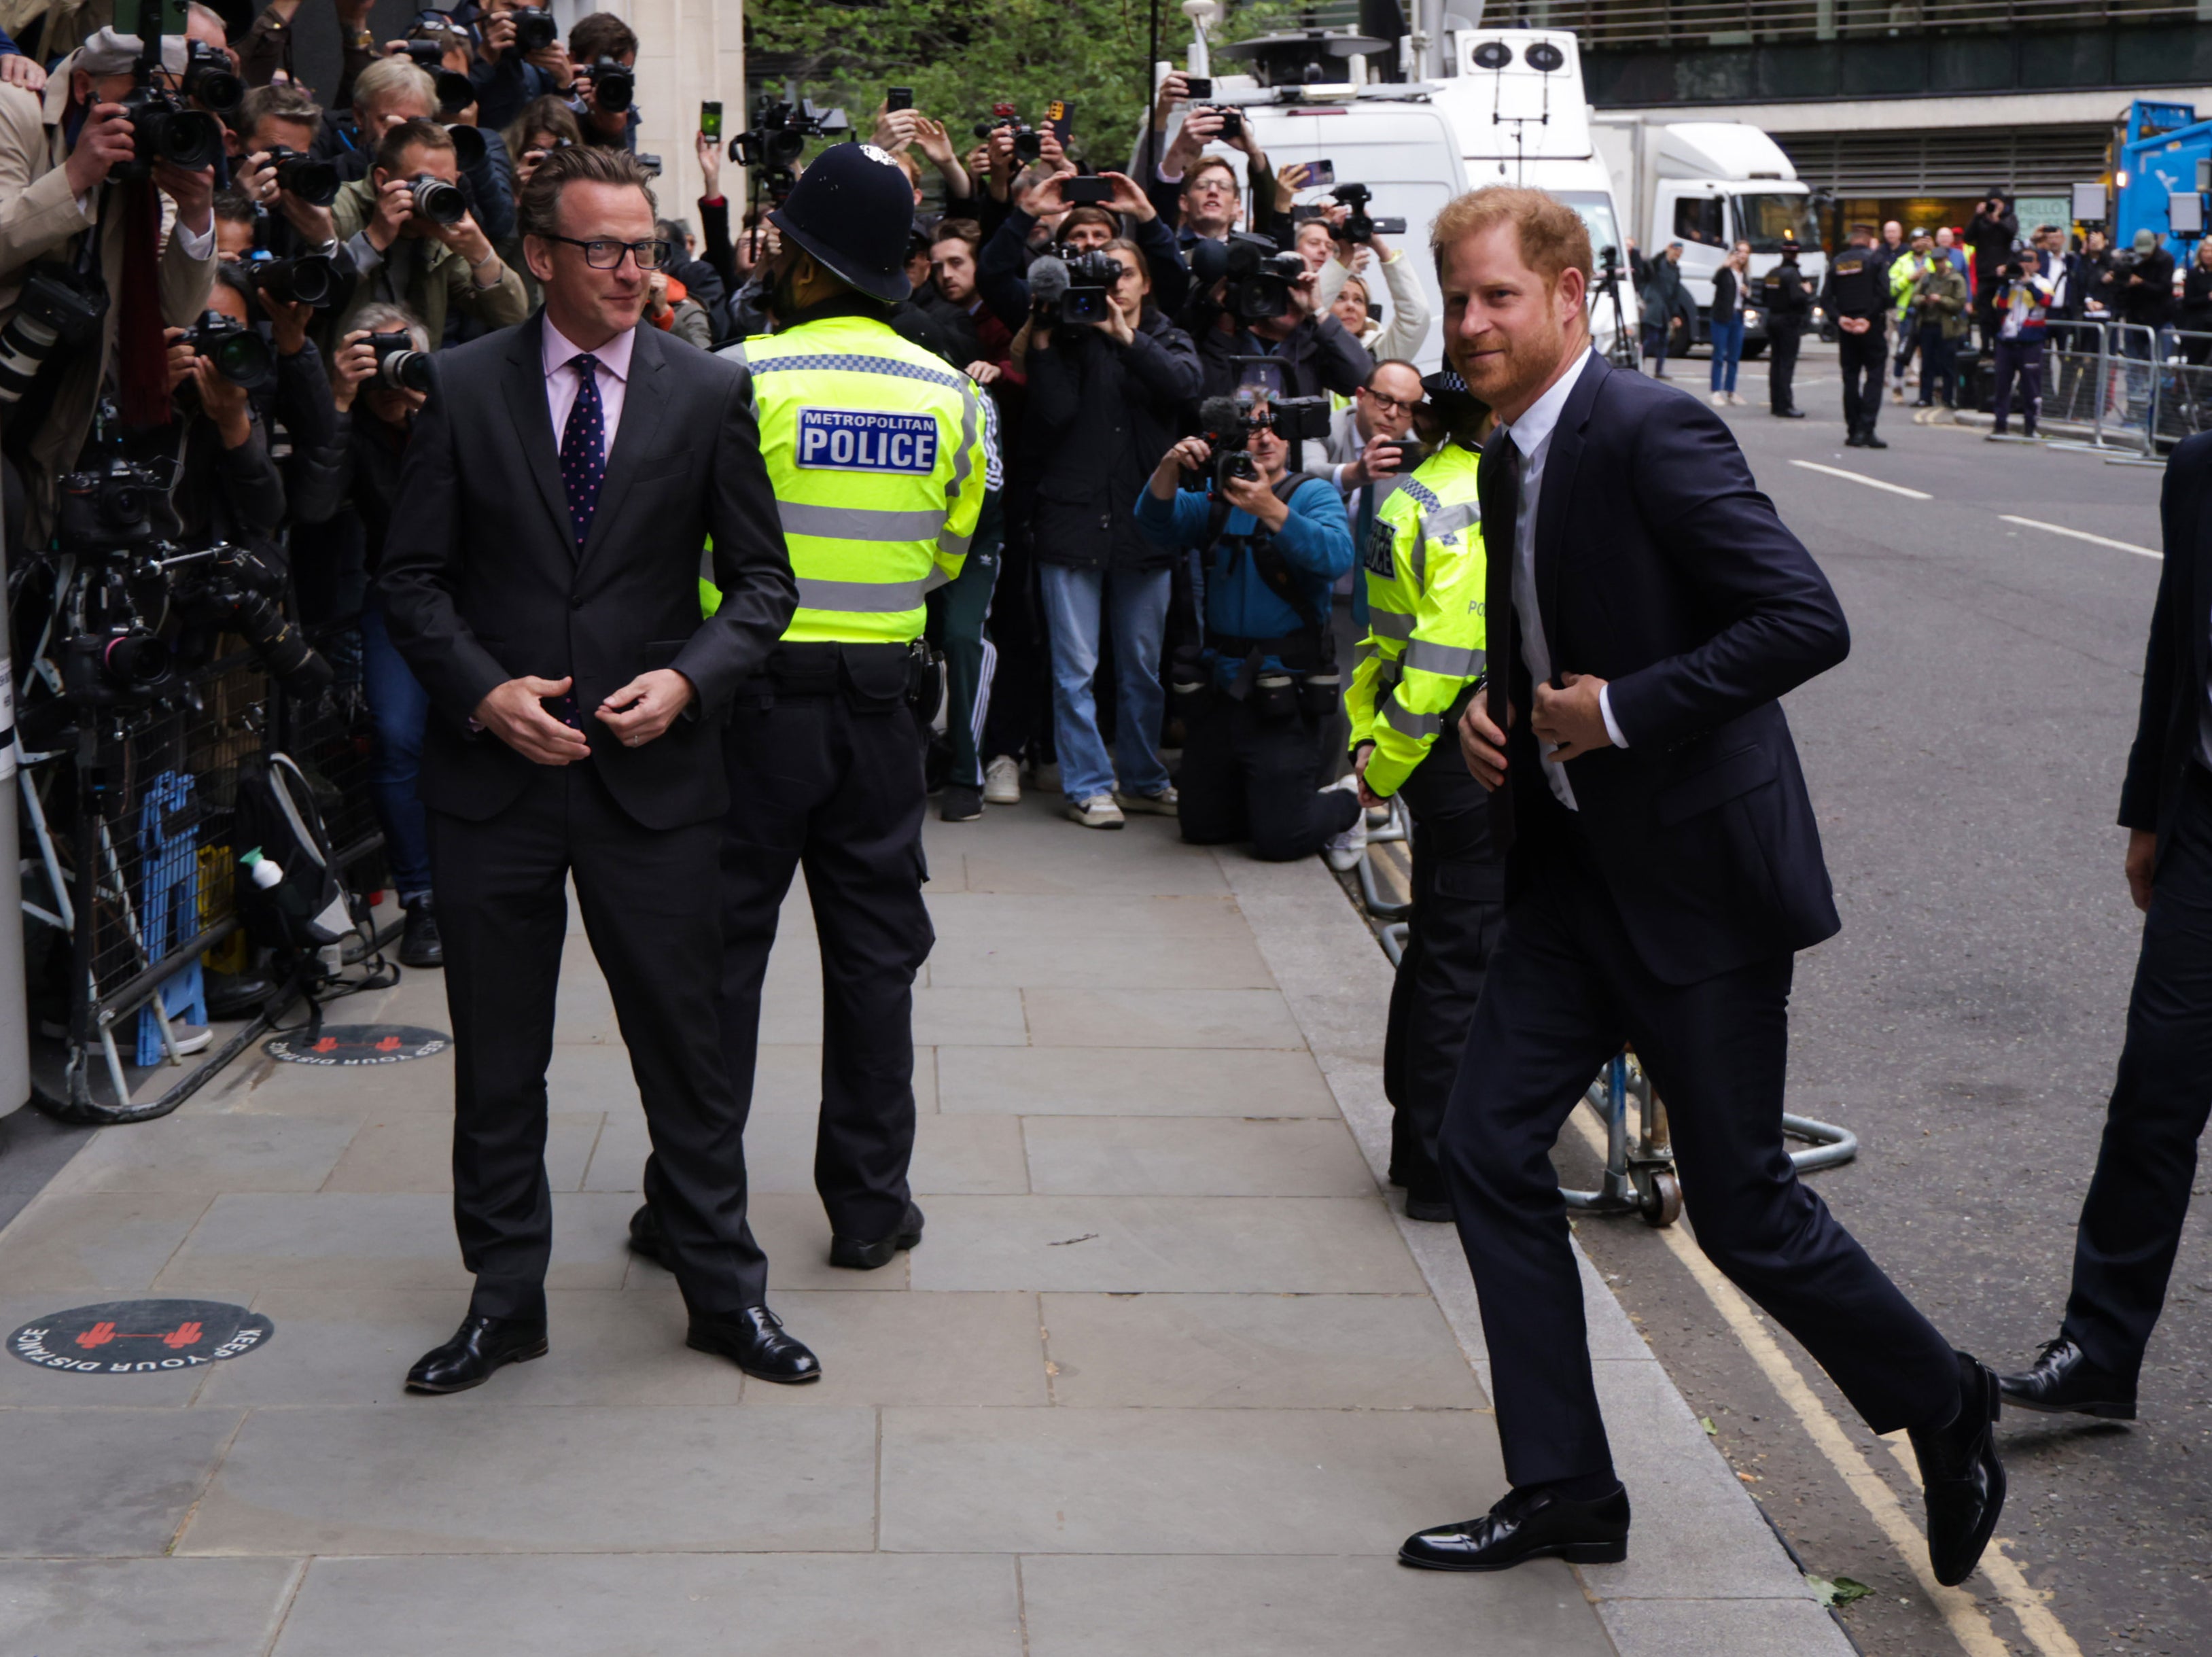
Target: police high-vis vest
(878, 453)
(1426, 579)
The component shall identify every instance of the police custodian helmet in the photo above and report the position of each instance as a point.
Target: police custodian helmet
(852, 209)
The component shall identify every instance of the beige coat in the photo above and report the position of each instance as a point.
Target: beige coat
(40, 220)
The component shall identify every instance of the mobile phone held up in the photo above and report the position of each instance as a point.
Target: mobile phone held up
(710, 119)
(1320, 174)
(898, 97)
(1200, 87)
(1086, 191)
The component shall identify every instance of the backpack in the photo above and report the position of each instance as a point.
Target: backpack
(278, 826)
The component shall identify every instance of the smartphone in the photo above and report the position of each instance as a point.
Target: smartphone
(1085, 192)
(899, 97)
(710, 119)
(1319, 174)
(1202, 86)
(1060, 117)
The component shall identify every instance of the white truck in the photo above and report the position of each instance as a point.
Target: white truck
(1708, 184)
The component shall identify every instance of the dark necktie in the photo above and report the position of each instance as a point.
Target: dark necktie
(584, 446)
(1498, 483)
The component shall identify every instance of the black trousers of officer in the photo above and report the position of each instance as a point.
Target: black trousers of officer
(1862, 357)
(1246, 777)
(832, 783)
(1781, 366)
(503, 909)
(1459, 905)
(1566, 990)
(2131, 1220)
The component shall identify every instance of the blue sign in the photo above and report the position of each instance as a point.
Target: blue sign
(861, 440)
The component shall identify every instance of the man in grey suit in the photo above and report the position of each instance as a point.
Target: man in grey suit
(541, 579)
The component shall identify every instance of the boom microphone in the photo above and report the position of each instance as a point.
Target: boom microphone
(1219, 417)
(1049, 281)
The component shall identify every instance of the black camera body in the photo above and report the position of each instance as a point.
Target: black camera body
(295, 279)
(299, 174)
(1029, 142)
(535, 30)
(1091, 279)
(56, 312)
(614, 86)
(162, 129)
(234, 591)
(778, 135)
(438, 201)
(209, 80)
(399, 364)
(239, 354)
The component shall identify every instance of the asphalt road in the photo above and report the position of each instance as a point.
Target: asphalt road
(1965, 765)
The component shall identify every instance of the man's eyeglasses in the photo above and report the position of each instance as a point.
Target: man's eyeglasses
(602, 255)
(1389, 404)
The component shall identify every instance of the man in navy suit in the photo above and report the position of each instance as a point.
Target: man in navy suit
(1646, 609)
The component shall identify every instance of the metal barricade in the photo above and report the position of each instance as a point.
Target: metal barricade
(2073, 376)
(2115, 395)
(1400, 827)
(2185, 395)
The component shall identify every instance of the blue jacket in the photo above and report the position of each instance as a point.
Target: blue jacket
(1315, 540)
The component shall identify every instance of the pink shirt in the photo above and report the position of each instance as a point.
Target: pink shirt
(562, 382)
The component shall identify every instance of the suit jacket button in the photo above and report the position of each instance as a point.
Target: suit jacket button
(575, 601)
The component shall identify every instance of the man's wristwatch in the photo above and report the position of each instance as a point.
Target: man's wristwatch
(363, 40)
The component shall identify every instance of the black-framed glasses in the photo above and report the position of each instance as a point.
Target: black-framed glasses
(604, 255)
(1389, 404)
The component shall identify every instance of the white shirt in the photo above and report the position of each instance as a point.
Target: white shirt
(1532, 437)
(563, 382)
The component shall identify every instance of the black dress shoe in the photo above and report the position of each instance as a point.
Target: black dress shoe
(1790, 414)
(1855, 441)
(1872, 441)
(754, 1340)
(236, 995)
(856, 1256)
(1531, 1526)
(479, 1347)
(645, 1239)
(961, 803)
(1961, 1476)
(419, 943)
(2064, 1382)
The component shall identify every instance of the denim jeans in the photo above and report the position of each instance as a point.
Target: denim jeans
(1073, 599)
(1728, 349)
(400, 707)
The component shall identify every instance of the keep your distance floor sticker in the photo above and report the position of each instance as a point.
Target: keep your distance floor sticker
(140, 1337)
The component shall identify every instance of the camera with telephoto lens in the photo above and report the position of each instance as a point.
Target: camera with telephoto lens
(308, 278)
(163, 130)
(313, 182)
(535, 30)
(399, 364)
(438, 201)
(55, 313)
(456, 91)
(239, 354)
(233, 591)
(778, 135)
(210, 81)
(613, 86)
(1091, 279)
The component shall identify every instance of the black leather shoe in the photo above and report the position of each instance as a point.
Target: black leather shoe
(754, 1340)
(2064, 1382)
(1872, 441)
(644, 1240)
(479, 1347)
(1961, 1476)
(1790, 414)
(1855, 441)
(236, 995)
(856, 1256)
(1540, 1525)
(419, 943)
(961, 803)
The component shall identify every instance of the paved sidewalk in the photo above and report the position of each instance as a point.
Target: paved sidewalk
(1167, 1374)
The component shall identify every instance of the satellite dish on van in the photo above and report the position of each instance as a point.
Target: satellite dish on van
(1493, 54)
(1545, 57)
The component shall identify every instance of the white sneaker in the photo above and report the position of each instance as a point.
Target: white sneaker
(1162, 804)
(1344, 850)
(1720, 400)
(1002, 781)
(1734, 401)
(1098, 812)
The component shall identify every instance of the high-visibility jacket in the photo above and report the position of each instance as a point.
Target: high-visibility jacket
(1427, 577)
(878, 455)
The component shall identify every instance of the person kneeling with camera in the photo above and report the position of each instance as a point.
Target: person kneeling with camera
(1272, 544)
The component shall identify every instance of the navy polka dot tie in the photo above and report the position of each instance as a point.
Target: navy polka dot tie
(584, 446)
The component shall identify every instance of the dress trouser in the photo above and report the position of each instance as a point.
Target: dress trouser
(1781, 366)
(1565, 991)
(1459, 903)
(2022, 358)
(2131, 1219)
(814, 783)
(1248, 779)
(503, 909)
(1862, 357)
(957, 613)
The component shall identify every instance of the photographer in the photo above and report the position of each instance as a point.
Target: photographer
(2146, 291)
(57, 189)
(1272, 544)
(2021, 306)
(1366, 448)
(510, 75)
(417, 247)
(897, 129)
(1103, 397)
(272, 120)
(603, 49)
(228, 486)
(1990, 236)
(2197, 306)
(388, 91)
(1407, 329)
(1180, 189)
(1665, 309)
(1309, 354)
(375, 417)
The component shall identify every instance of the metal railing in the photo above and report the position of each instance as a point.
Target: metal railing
(1603, 23)
(2106, 376)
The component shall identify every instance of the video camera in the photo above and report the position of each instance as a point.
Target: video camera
(1091, 279)
(1227, 425)
(1260, 278)
(1358, 227)
(779, 133)
(1029, 142)
(56, 310)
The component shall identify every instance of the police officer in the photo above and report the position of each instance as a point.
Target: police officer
(1422, 658)
(1788, 310)
(1857, 296)
(878, 453)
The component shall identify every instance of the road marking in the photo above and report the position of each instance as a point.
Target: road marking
(1861, 478)
(2079, 535)
(1961, 1611)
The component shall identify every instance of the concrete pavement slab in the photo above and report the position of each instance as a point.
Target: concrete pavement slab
(1742, 1628)
(415, 1153)
(1113, 1606)
(419, 1479)
(923, 1347)
(1178, 1481)
(1095, 1080)
(1256, 1351)
(204, 1153)
(178, 1607)
(1065, 958)
(1203, 1156)
(96, 1240)
(1075, 919)
(1159, 1018)
(602, 1605)
(105, 1483)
